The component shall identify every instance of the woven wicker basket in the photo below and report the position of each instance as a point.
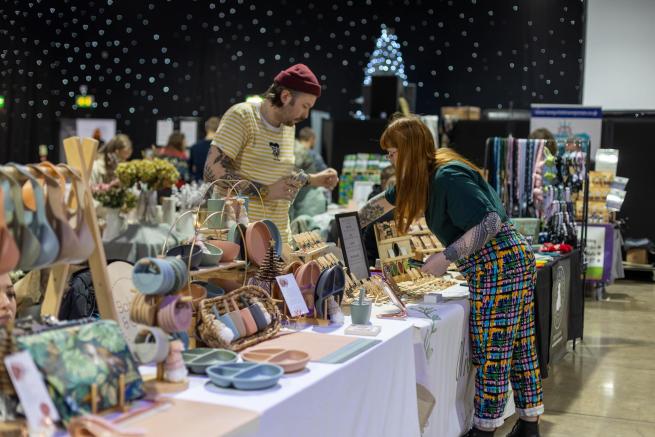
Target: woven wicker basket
(207, 325)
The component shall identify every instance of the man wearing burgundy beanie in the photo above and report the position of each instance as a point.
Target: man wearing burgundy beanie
(255, 142)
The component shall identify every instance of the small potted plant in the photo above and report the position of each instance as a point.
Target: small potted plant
(116, 199)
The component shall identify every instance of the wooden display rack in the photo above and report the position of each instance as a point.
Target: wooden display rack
(228, 270)
(427, 241)
(159, 386)
(325, 261)
(94, 398)
(80, 155)
(403, 242)
(417, 250)
(306, 255)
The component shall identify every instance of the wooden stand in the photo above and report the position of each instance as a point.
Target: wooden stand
(325, 260)
(94, 398)
(80, 155)
(384, 244)
(158, 386)
(224, 271)
(317, 321)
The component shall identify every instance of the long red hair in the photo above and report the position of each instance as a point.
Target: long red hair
(416, 162)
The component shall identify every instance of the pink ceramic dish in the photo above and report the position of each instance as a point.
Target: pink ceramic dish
(230, 249)
(307, 277)
(290, 360)
(258, 240)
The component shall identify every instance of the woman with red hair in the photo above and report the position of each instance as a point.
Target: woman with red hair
(465, 213)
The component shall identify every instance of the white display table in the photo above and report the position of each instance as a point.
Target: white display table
(372, 394)
(443, 365)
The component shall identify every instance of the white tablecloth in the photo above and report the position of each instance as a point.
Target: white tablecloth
(372, 394)
(443, 365)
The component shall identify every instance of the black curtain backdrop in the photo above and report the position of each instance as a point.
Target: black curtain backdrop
(148, 60)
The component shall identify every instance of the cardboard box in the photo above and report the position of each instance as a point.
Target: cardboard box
(637, 256)
(461, 112)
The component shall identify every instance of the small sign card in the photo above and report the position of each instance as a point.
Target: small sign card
(31, 390)
(292, 295)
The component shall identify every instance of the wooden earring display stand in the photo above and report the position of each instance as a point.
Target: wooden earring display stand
(326, 261)
(80, 155)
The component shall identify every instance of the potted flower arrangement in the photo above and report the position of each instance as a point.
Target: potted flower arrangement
(148, 176)
(116, 199)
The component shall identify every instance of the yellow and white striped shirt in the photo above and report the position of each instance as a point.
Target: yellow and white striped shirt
(262, 153)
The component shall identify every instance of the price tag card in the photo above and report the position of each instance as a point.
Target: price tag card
(31, 390)
(292, 295)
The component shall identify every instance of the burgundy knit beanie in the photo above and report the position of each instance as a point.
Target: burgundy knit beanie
(299, 78)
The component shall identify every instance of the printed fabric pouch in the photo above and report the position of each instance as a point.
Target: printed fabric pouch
(73, 358)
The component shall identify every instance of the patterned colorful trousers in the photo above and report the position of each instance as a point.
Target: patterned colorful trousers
(501, 278)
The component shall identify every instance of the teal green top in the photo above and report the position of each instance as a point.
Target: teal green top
(458, 199)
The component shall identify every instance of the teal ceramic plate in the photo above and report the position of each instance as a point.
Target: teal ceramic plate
(245, 376)
(198, 360)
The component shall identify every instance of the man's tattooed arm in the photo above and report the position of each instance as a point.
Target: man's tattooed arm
(220, 166)
(374, 209)
(475, 238)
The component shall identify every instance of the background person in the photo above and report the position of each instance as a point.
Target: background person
(198, 152)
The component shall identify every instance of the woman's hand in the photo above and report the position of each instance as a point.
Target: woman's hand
(436, 264)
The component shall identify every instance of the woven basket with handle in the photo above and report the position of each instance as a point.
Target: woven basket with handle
(209, 328)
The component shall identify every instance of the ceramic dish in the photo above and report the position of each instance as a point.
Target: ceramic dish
(307, 277)
(258, 240)
(275, 234)
(293, 267)
(330, 283)
(289, 360)
(212, 255)
(213, 290)
(184, 251)
(229, 248)
(198, 293)
(232, 232)
(245, 376)
(227, 284)
(239, 238)
(198, 360)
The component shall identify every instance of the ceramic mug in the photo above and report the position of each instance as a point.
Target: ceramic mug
(215, 205)
(227, 321)
(360, 314)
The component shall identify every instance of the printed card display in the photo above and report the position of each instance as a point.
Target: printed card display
(292, 295)
(31, 390)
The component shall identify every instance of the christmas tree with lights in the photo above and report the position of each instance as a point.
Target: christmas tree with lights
(386, 59)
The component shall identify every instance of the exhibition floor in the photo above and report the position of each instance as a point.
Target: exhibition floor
(606, 387)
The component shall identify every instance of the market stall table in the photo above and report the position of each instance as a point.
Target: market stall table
(140, 241)
(372, 394)
(443, 365)
(559, 307)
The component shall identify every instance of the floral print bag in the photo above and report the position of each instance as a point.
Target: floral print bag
(71, 359)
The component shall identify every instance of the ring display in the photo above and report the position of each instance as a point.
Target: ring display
(151, 345)
(144, 309)
(174, 315)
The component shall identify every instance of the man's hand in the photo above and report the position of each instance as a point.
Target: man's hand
(436, 264)
(282, 189)
(328, 178)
